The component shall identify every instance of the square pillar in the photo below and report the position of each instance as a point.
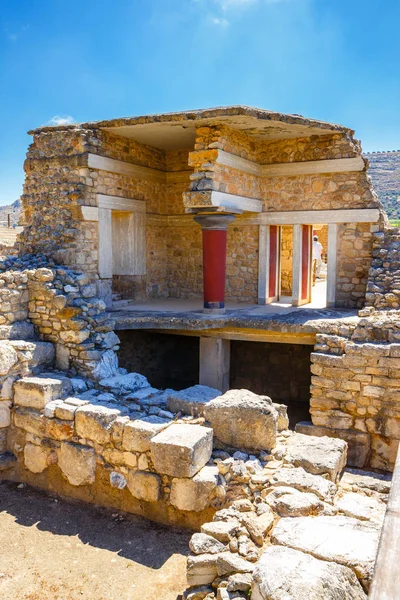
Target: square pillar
(215, 355)
(269, 264)
(332, 265)
(302, 261)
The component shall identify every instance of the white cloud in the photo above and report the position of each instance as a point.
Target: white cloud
(221, 21)
(61, 120)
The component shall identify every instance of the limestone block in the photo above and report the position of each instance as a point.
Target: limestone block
(58, 429)
(65, 411)
(37, 458)
(7, 388)
(384, 452)
(258, 526)
(107, 366)
(21, 330)
(8, 357)
(43, 354)
(137, 434)
(123, 384)
(192, 400)
(181, 450)
(62, 357)
(94, 422)
(242, 419)
(283, 419)
(286, 573)
(318, 455)
(299, 479)
(323, 537)
(144, 486)
(377, 482)
(117, 480)
(36, 392)
(365, 508)
(201, 543)
(30, 421)
(194, 494)
(201, 569)
(228, 562)
(5, 413)
(289, 502)
(359, 443)
(223, 531)
(78, 463)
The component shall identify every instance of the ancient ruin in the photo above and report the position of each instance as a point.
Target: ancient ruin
(171, 345)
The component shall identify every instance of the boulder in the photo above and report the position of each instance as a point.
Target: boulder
(78, 463)
(181, 450)
(299, 479)
(317, 455)
(194, 494)
(339, 539)
(192, 400)
(287, 574)
(242, 419)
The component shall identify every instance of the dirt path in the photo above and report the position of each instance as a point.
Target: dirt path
(54, 550)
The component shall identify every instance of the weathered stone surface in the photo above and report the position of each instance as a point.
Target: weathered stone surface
(365, 508)
(123, 384)
(242, 419)
(43, 354)
(36, 458)
(8, 357)
(36, 392)
(201, 569)
(200, 592)
(299, 479)
(193, 494)
(222, 531)
(318, 455)
(7, 460)
(377, 482)
(289, 502)
(258, 526)
(344, 540)
(137, 434)
(107, 367)
(239, 582)
(144, 486)
(283, 419)
(78, 463)
(94, 422)
(181, 450)
(5, 414)
(117, 480)
(20, 330)
(359, 442)
(228, 563)
(192, 400)
(201, 543)
(286, 574)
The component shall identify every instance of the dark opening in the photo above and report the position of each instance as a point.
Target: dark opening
(281, 371)
(168, 361)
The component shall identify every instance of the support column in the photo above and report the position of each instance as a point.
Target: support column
(332, 261)
(269, 264)
(214, 228)
(301, 266)
(215, 363)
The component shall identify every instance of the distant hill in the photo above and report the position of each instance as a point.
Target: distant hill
(384, 168)
(14, 210)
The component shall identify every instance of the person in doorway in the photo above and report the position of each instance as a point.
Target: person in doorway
(316, 258)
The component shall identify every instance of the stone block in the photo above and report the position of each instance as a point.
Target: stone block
(8, 357)
(29, 420)
(181, 450)
(144, 486)
(317, 455)
(299, 479)
(241, 419)
(94, 422)
(194, 494)
(359, 443)
(36, 392)
(223, 531)
(123, 384)
(37, 458)
(5, 413)
(192, 400)
(137, 434)
(78, 463)
(201, 569)
(286, 573)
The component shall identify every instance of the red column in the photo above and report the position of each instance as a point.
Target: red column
(214, 228)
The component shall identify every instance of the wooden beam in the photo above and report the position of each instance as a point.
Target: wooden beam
(121, 204)
(314, 167)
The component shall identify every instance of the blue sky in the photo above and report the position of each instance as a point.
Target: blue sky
(335, 60)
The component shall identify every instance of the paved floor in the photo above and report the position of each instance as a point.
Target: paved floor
(52, 549)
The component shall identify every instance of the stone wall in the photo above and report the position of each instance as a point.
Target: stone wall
(286, 260)
(383, 290)
(355, 387)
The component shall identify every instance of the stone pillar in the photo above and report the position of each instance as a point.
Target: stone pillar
(214, 228)
(215, 357)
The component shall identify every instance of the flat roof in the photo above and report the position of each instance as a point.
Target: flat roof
(176, 130)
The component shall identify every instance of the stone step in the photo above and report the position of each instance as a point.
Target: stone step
(21, 330)
(120, 303)
(37, 392)
(7, 460)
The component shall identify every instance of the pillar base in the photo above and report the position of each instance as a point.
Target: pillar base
(213, 311)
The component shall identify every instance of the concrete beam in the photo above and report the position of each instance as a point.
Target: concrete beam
(214, 363)
(314, 167)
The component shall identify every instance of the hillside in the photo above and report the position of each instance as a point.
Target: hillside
(384, 168)
(13, 209)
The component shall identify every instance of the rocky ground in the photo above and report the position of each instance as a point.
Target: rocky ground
(58, 550)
